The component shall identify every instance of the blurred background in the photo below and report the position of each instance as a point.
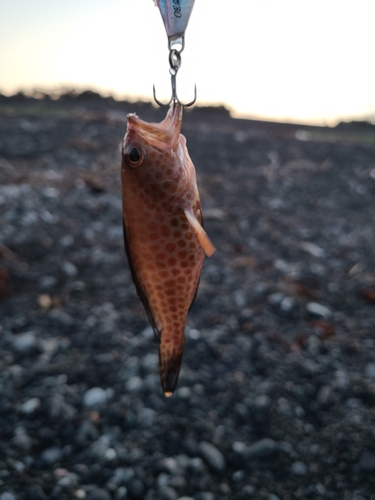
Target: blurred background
(306, 62)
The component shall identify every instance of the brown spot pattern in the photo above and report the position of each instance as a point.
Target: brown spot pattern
(165, 255)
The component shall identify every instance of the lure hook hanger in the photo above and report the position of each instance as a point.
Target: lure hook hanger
(174, 65)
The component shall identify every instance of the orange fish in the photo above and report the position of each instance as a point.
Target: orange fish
(163, 230)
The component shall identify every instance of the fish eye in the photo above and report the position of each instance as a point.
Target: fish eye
(134, 156)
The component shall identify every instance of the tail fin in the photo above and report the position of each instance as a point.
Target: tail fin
(170, 356)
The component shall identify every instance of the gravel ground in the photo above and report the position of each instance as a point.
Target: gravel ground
(276, 395)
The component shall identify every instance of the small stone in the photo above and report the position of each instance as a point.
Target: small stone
(239, 447)
(44, 301)
(21, 439)
(136, 488)
(150, 362)
(30, 406)
(325, 395)
(122, 493)
(147, 417)
(95, 396)
(70, 481)
(287, 304)
(99, 494)
(134, 384)
(316, 309)
(25, 343)
(185, 498)
(370, 370)
(35, 492)
(171, 465)
(148, 333)
(212, 456)
(311, 491)
(275, 298)
(313, 249)
(196, 464)
(183, 392)
(238, 475)
(80, 494)
(110, 455)
(271, 496)
(167, 493)
(47, 282)
(69, 269)
(367, 461)
(262, 401)
(193, 334)
(206, 495)
(249, 489)
(298, 469)
(7, 496)
(263, 448)
(51, 455)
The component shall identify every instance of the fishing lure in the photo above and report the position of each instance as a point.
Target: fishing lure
(175, 15)
(163, 230)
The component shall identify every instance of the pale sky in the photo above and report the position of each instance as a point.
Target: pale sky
(306, 61)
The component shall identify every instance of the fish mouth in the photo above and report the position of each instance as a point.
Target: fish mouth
(164, 135)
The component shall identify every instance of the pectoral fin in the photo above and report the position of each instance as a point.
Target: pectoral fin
(200, 233)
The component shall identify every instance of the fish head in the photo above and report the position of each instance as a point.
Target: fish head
(155, 154)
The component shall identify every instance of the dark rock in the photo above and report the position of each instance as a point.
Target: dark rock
(212, 456)
(35, 492)
(98, 494)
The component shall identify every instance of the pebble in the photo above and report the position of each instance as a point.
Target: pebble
(196, 464)
(51, 455)
(95, 396)
(99, 494)
(148, 333)
(21, 439)
(150, 362)
(367, 461)
(69, 481)
(183, 392)
(263, 448)
(25, 343)
(147, 417)
(134, 384)
(167, 493)
(80, 494)
(136, 488)
(122, 493)
(69, 269)
(7, 496)
(369, 371)
(47, 282)
(239, 447)
(316, 309)
(35, 492)
(30, 406)
(206, 495)
(299, 469)
(212, 456)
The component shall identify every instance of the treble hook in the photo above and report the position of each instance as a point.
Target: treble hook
(174, 63)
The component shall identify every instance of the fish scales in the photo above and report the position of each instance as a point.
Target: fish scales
(163, 230)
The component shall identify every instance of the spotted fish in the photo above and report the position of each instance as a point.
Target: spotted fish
(163, 230)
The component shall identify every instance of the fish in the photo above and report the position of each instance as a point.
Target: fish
(165, 241)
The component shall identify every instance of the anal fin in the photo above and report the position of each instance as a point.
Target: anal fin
(200, 233)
